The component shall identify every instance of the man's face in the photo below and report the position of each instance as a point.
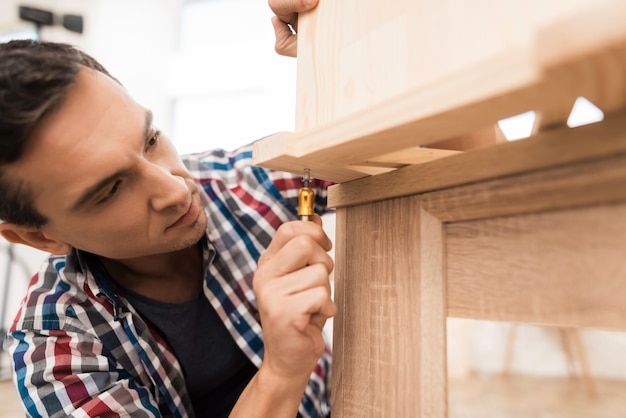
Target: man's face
(106, 179)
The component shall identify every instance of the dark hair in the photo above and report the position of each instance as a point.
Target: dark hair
(34, 80)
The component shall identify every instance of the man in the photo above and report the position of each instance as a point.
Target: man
(163, 269)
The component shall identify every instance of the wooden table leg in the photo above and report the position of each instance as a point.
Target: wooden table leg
(389, 343)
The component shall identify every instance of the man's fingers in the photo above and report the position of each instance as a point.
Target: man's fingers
(313, 307)
(286, 9)
(298, 253)
(291, 230)
(286, 21)
(309, 277)
(319, 321)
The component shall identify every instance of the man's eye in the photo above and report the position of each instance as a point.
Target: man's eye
(112, 192)
(154, 139)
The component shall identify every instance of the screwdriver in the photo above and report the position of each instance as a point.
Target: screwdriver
(306, 197)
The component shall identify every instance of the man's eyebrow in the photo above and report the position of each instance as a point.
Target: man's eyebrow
(93, 190)
(148, 124)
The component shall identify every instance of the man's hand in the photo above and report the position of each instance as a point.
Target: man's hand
(286, 23)
(294, 296)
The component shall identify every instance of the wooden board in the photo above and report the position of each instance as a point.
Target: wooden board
(354, 54)
(549, 149)
(562, 268)
(524, 77)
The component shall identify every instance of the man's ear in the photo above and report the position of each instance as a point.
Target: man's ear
(32, 237)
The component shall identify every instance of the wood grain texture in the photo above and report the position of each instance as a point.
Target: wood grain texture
(433, 314)
(353, 55)
(584, 184)
(376, 362)
(565, 268)
(548, 149)
(341, 274)
(518, 78)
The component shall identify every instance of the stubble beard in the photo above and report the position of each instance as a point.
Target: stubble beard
(198, 230)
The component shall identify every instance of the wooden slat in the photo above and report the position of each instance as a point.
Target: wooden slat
(433, 314)
(549, 149)
(339, 296)
(564, 268)
(584, 184)
(484, 137)
(409, 156)
(442, 110)
(277, 152)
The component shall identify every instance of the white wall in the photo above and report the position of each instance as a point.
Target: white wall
(132, 38)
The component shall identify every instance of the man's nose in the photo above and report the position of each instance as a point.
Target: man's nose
(167, 189)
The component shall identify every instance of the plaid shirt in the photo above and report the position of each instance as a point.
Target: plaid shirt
(80, 349)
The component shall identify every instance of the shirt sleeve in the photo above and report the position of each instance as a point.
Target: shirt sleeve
(61, 374)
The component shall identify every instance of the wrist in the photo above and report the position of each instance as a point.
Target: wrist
(270, 394)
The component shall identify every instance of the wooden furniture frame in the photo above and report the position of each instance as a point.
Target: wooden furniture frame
(527, 231)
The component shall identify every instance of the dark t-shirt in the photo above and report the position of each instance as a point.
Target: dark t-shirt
(215, 368)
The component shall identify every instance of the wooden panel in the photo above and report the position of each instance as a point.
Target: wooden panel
(443, 110)
(354, 54)
(516, 80)
(565, 267)
(376, 360)
(549, 149)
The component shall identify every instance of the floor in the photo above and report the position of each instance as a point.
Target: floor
(10, 406)
(523, 397)
(532, 397)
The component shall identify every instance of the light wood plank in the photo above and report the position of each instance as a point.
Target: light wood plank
(355, 54)
(549, 149)
(341, 272)
(563, 268)
(506, 84)
(484, 137)
(448, 109)
(409, 156)
(277, 152)
(598, 27)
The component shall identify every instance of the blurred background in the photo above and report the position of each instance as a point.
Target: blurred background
(208, 71)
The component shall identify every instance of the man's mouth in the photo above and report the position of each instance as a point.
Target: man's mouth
(189, 217)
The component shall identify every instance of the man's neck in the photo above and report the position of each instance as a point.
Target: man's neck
(171, 277)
